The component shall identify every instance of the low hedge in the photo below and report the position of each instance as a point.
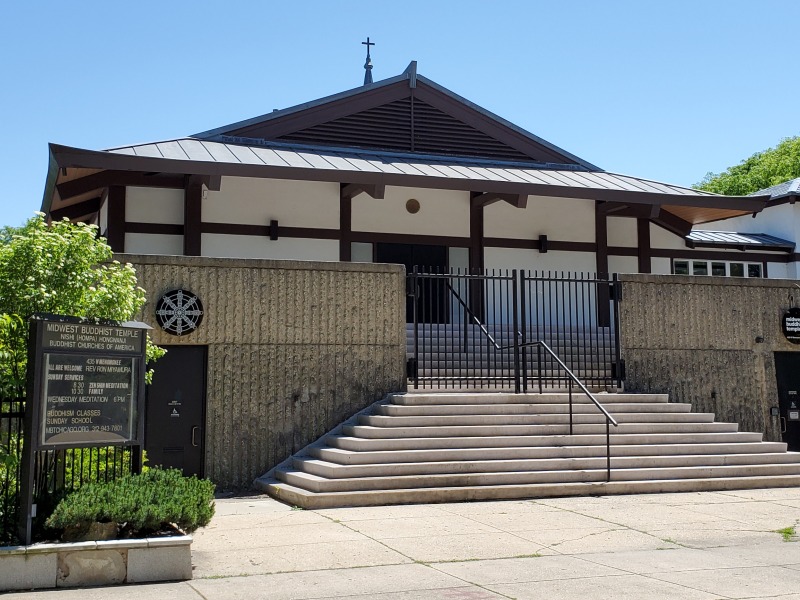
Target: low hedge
(139, 504)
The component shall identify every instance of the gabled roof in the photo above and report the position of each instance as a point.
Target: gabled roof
(406, 113)
(782, 190)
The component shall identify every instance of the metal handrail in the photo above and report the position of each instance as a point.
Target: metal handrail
(572, 378)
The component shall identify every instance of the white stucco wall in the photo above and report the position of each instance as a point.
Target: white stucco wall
(442, 212)
(248, 246)
(622, 232)
(154, 205)
(516, 258)
(663, 239)
(561, 219)
(782, 221)
(661, 266)
(623, 264)
(258, 201)
(361, 252)
(153, 243)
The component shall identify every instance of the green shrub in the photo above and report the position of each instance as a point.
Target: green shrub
(140, 504)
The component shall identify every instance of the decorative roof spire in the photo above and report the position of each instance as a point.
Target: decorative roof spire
(368, 64)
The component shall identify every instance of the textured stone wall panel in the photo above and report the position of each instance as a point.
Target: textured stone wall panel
(695, 339)
(294, 349)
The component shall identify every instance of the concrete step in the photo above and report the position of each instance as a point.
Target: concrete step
(329, 470)
(300, 497)
(457, 431)
(365, 457)
(585, 407)
(322, 484)
(427, 398)
(358, 444)
(585, 418)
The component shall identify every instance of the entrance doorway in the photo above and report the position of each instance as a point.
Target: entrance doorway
(432, 305)
(175, 410)
(787, 370)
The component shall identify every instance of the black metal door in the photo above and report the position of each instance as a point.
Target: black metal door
(432, 303)
(787, 370)
(175, 413)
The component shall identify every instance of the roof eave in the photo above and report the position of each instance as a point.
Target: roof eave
(65, 156)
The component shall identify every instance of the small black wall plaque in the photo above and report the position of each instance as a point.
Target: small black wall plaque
(791, 325)
(179, 312)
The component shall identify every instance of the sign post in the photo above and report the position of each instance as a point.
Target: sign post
(85, 388)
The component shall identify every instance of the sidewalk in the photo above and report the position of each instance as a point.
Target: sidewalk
(693, 546)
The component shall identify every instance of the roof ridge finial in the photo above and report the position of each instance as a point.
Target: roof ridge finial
(368, 64)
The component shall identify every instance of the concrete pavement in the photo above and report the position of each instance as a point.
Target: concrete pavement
(692, 545)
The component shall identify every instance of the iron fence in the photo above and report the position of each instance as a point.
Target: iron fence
(56, 472)
(476, 330)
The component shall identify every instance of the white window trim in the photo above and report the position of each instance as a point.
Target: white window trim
(691, 262)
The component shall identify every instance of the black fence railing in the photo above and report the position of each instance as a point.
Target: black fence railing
(475, 330)
(56, 472)
(12, 412)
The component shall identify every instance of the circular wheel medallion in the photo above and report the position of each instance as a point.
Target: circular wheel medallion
(179, 312)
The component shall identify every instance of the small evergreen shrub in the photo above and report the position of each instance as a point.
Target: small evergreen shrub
(140, 504)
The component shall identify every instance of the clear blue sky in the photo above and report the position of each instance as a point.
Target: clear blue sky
(667, 89)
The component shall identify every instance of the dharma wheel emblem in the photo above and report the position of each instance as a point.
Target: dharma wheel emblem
(179, 312)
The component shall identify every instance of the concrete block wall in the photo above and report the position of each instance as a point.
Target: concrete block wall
(294, 349)
(695, 339)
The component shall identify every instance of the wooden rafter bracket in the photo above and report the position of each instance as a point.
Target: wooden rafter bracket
(376, 191)
(487, 198)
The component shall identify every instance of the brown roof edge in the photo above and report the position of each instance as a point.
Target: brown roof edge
(65, 156)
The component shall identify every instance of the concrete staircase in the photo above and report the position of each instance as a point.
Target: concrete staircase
(437, 447)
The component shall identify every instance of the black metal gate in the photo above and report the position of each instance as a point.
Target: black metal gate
(487, 330)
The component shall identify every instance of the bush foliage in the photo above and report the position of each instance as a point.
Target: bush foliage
(140, 504)
(760, 171)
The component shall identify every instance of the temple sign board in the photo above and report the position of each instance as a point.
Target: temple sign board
(85, 388)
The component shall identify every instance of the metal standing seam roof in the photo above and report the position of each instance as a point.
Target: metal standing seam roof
(277, 154)
(786, 188)
(728, 238)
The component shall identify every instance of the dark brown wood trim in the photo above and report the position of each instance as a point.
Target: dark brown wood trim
(76, 211)
(643, 249)
(264, 230)
(733, 246)
(476, 240)
(115, 234)
(192, 216)
(516, 200)
(376, 191)
(345, 227)
(154, 228)
(98, 181)
(601, 262)
(601, 240)
(491, 127)
(329, 111)
(552, 245)
(622, 251)
(410, 238)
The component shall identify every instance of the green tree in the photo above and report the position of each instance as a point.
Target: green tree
(62, 268)
(762, 170)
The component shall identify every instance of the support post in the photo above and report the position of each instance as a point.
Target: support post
(192, 216)
(115, 234)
